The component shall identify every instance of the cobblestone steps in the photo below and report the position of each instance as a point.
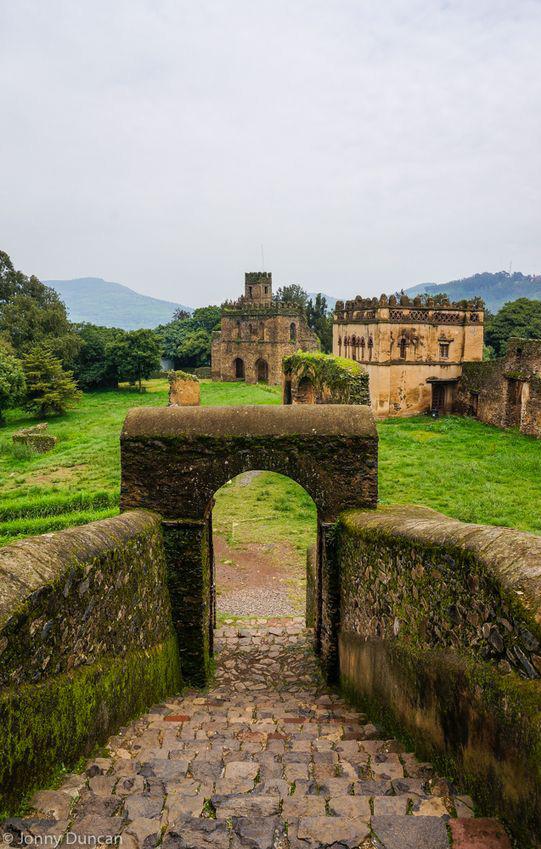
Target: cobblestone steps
(267, 759)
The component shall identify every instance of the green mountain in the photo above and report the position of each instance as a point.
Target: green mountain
(495, 289)
(112, 304)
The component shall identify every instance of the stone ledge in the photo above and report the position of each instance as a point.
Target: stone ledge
(29, 564)
(250, 421)
(514, 557)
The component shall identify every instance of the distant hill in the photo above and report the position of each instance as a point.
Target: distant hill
(495, 289)
(112, 304)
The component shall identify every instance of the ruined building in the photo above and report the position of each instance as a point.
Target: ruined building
(256, 333)
(505, 392)
(412, 350)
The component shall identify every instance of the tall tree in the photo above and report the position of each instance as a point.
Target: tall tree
(292, 294)
(516, 318)
(50, 390)
(32, 314)
(134, 356)
(320, 321)
(12, 380)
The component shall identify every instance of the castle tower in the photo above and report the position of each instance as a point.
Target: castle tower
(258, 287)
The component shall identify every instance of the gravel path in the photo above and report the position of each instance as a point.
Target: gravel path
(257, 601)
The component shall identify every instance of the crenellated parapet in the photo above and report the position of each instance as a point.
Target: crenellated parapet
(402, 308)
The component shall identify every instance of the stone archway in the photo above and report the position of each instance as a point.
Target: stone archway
(262, 371)
(175, 458)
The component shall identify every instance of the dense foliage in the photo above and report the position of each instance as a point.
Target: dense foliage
(518, 318)
(50, 390)
(33, 314)
(12, 380)
(346, 379)
(187, 340)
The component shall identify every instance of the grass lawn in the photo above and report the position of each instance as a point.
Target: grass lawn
(463, 468)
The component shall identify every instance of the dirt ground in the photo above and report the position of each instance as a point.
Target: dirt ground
(259, 579)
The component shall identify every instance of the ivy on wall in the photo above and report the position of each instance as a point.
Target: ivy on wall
(345, 379)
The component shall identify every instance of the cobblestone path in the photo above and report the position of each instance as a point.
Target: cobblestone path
(268, 759)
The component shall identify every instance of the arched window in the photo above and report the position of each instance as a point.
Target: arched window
(339, 345)
(362, 346)
(293, 332)
(353, 347)
(402, 348)
(238, 329)
(251, 330)
(261, 329)
(238, 367)
(370, 347)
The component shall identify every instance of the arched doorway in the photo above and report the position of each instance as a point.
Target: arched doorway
(174, 459)
(305, 392)
(238, 368)
(262, 371)
(262, 523)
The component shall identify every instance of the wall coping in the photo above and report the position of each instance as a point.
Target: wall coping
(250, 421)
(513, 557)
(29, 564)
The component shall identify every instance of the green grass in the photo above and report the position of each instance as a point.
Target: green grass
(269, 509)
(79, 481)
(461, 467)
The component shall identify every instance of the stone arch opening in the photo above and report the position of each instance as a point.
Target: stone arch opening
(263, 523)
(305, 392)
(262, 371)
(174, 459)
(238, 368)
(292, 332)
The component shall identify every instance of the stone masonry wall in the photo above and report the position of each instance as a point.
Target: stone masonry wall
(441, 638)
(86, 642)
(505, 392)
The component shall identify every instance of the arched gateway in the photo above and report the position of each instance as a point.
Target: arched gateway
(174, 459)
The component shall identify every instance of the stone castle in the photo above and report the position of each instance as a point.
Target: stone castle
(257, 333)
(413, 350)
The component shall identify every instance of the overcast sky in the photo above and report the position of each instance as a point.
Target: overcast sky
(367, 144)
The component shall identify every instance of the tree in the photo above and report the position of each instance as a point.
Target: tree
(12, 380)
(93, 366)
(207, 318)
(187, 341)
(516, 318)
(32, 314)
(320, 321)
(292, 294)
(134, 355)
(49, 389)
(180, 314)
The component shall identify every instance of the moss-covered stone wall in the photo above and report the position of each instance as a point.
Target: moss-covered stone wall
(441, 638)
(86, 643)
(317, 378)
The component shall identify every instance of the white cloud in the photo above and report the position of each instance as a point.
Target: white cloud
(368, 145)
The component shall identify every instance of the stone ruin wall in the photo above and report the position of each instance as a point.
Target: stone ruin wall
(505, 392)
(86, 643)
(441, 635)
(184, 390)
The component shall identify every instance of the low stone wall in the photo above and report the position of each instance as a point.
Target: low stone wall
(86, 643)
(441, 639)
